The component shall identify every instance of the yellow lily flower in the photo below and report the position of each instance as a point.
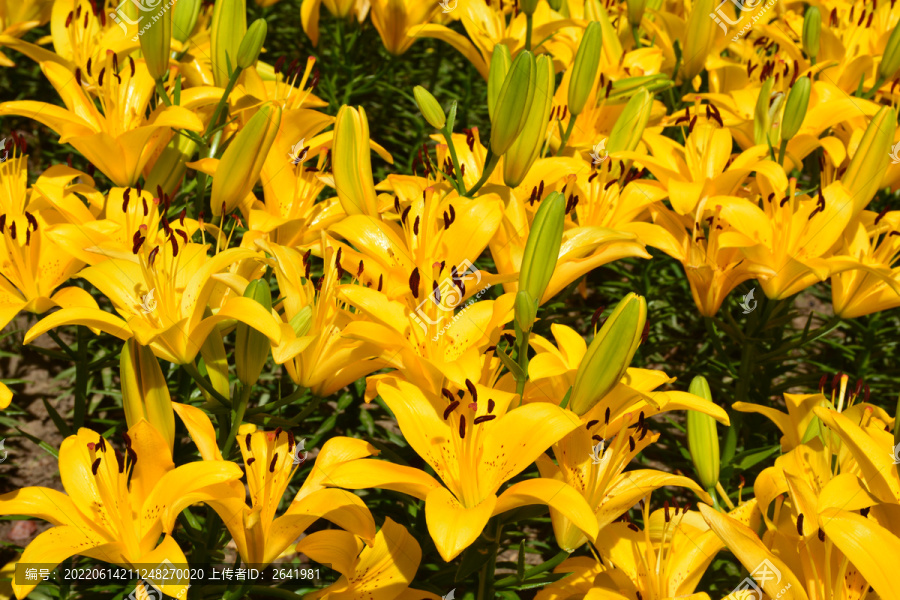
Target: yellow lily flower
(664, 561)
(269, 460)
(320, 358)
(117, 505)
(793, 235)
(81, 33)
(488, 24)
(5, 396)
(474, 443)
(384, 570)
(589, 459)
(18, 18)
(583, 249)
(703, 168)
(707, 248)
(874, 284)
(32, 265)
(119, 140)
(397, 20)
(161, 295)
(124, 212)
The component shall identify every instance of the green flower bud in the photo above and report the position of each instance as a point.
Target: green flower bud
(526, 311)
(542, 247)
(890, 60)
(812, 27)
(610, 354)
(156, 44)
(500, 63)
(762, 120)
(627, 87)
(513, 103)
(529, 6)
(252, 44)
(629, 127)
(585, 67)
(242, 162)
(866, 170)
(795, 108)
(527, 146)
(251, 349)
(636, 12)
(184, 18)
(556, 4)
(302, 321)
(430, 107)
(226, 30)
(703, 439)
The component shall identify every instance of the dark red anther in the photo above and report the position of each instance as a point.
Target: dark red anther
(414, 282)
(314, 80)
(596, 316)
(181, 216)
(182, 234)
(174, 246)
(278, 64)
(416, 226)
(483, 419)
(881, 215)
(32, 222)
(450, 408)
(606, 417)
(490, 405)
(362, 268)
(272, 464)
(247, 441)
(95, 466)
(380, 281)
(666, 510)
(836, 380)
(800, 524)
(405, 214)
(822, 383)
(462, 427)
(436, 292)
(472, 390)
(631, 444)
(120, 460)
(69, 18)
(250, 461)
(152, 257)
(146, 208)
(100, 77)
(131, 64)
(78, 76)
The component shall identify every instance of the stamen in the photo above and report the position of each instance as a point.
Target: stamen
(449, 410)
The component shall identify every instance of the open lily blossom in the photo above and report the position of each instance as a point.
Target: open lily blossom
(449, 299)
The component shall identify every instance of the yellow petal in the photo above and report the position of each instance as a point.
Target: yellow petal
(553, 493)
(872, 549)
(452, 526)
(367, 473)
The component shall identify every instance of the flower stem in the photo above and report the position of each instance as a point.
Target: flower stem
(565, 138)
(457, 178)
(529, 29)
(486, 575)
(237, 420)
(202, 382)
(161, 90)
(489, 166)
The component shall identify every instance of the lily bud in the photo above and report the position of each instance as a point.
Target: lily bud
(251, 348)
(867, 168)
(184, 18)
(430, 107)
(5, 396)
(171, 165)
(703, 439)
(156, 45)
(500, 63)
(542, 247)
(795, 108)
(585, 67)
(526, 311)
(556, 4)
(812, 27)
(226, 30)
(762, 120)
(302, 321)
(251, 45)
(513, 103)
(352, 164)
(610, 353)
(242, 162)
(699, 38)
(629, 127)
(635, 12)
(145, 394)
(527, 146)
(890, 60)
(216, 362)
